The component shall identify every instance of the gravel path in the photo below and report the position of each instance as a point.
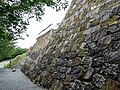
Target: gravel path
(15, 81)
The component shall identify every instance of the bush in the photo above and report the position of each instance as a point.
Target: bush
(15, 61)
(13, 53)
(19, 51)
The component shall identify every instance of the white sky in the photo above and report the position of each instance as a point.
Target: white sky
(50, 17)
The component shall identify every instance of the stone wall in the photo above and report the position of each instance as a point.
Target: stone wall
(83, 53)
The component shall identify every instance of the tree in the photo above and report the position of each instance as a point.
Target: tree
(15, 14)
(7, 49)
(18, 51)
(14, 18)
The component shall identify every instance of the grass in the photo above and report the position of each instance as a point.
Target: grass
(15, 61)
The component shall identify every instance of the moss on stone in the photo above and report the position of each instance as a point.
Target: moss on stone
(94, 22)
(15, 62)
(82, 27)
(111, 85)
(110, 21)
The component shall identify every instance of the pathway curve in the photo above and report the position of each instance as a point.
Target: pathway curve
(2, 64)
(15, 81)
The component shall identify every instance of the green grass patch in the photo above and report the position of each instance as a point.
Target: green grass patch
(15, 61)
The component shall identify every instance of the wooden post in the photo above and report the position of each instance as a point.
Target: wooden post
(10, 63)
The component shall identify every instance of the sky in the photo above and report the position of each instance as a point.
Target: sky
(35, 27)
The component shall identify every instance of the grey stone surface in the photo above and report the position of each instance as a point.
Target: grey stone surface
(99, 80)
(89, 73)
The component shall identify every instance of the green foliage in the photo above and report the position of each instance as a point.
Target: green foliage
(19, 51)
(10, 51)
(15, 14)
(6, 49)
(14, 18)
(15, 61)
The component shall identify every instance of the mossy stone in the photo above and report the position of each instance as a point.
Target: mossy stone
(111, 85)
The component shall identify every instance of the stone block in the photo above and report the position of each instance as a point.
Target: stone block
(99, 80)
(111, 85)
(89, 73)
